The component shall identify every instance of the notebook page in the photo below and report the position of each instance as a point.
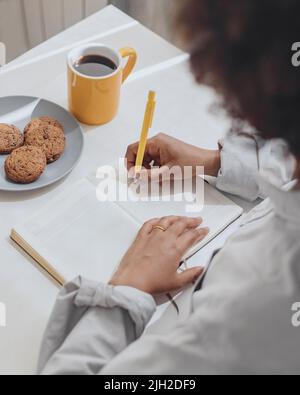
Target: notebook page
(78, 235)
(217, 210)
(217, 213)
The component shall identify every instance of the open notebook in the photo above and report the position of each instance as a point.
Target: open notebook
(75, 234)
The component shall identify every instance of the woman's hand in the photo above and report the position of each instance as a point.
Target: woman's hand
(165, 152)
(151, 263)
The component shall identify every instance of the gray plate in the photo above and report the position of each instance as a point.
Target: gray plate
(19, 110)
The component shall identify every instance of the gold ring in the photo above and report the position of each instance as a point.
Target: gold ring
(160, 228)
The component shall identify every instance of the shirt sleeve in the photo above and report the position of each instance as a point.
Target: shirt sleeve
(243, 156)
(91, 323)
(237, 334)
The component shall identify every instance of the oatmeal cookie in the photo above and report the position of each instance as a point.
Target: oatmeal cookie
(10, 138)
(49, 138)
(25, 165)
(43, 121)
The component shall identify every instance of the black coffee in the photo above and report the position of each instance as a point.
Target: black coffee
(95, 66)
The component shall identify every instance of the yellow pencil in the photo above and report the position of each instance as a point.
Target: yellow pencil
(148, 120)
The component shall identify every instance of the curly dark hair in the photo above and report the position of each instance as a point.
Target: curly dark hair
(243, 48)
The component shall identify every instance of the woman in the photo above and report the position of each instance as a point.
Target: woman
(241, 321)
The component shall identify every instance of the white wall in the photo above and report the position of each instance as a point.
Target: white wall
(26, 23)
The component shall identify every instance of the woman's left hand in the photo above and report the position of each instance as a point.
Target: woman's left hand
(151, 264)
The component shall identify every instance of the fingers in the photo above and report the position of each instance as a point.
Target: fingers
(144, 175)
(182, 228)
(178, 225)
(155, 174)
(152, 153)
(147, 228)
(167, 222)
(159, 174)
(131, 154)
(183, 224)
(190, 238)
(188, 277)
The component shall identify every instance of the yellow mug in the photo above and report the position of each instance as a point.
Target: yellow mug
(95, 100)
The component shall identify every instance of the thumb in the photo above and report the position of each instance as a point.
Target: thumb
(189, 276)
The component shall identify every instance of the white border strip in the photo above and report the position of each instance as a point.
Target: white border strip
(47, 55)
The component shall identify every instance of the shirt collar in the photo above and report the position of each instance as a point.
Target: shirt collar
(286, 200)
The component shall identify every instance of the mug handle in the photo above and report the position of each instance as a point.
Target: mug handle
(132, 55)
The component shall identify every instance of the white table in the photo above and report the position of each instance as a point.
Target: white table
(28, 294)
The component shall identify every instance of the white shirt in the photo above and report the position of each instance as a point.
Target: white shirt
(239, 322)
